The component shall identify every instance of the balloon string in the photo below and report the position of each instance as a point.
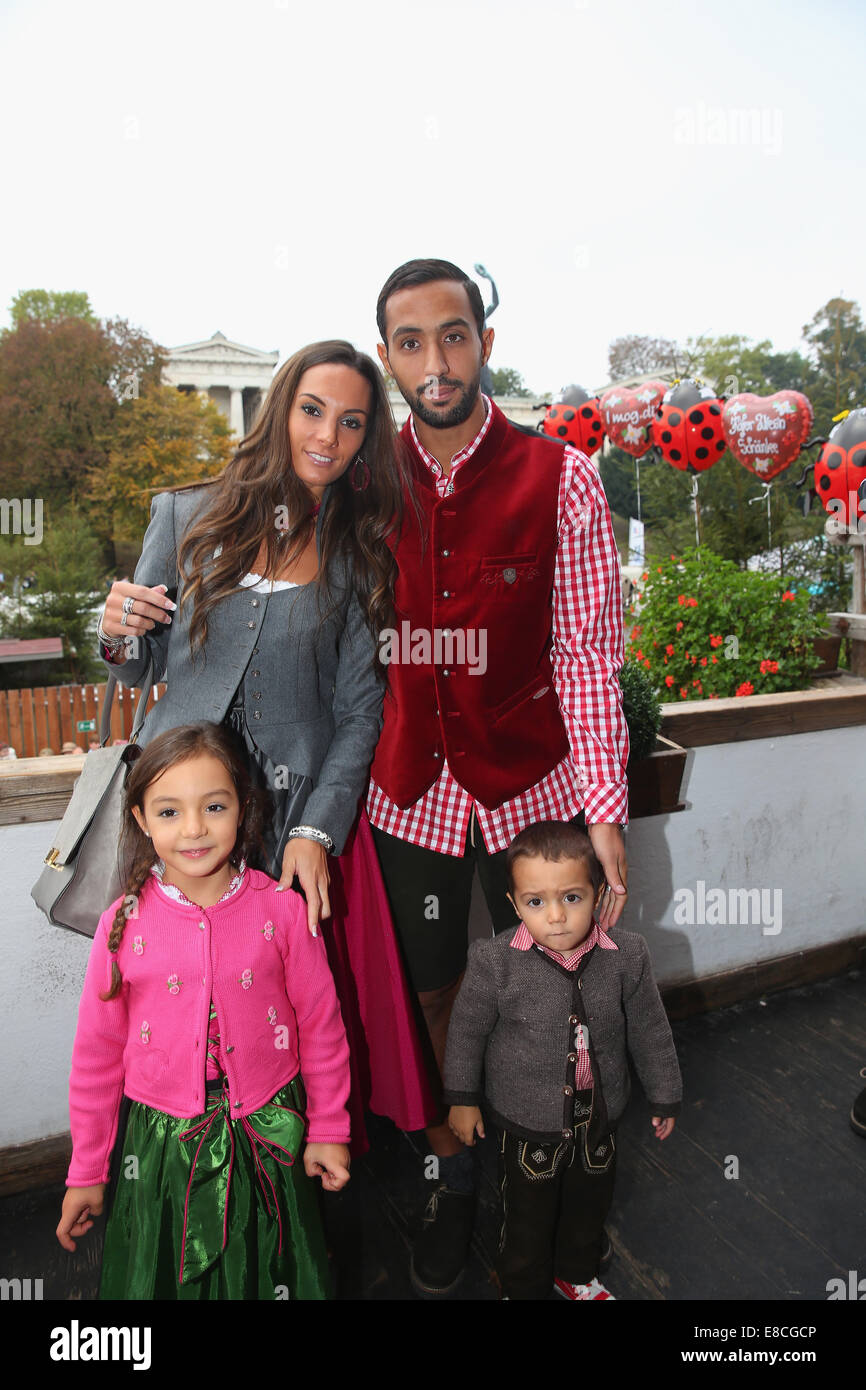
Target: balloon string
(697, 507)
(637, 482)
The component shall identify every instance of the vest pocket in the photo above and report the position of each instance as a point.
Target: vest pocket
(539, 689)
(507, 574)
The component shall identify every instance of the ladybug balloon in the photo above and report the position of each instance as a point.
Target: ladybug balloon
(627, 415)
(840, 472)
(766, 433)
(687, 429)
(575, 419)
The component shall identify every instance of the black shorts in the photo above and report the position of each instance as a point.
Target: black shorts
(430, 896)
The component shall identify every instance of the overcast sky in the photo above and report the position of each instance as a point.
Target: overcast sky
(260, 166)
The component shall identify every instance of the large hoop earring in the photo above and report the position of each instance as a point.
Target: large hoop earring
(359, 474)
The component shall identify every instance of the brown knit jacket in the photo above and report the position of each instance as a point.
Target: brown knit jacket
(511, 1026)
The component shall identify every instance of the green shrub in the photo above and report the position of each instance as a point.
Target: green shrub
(641, 708)
(706, 629)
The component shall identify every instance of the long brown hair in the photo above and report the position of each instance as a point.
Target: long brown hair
(167, 750)
(259, 484)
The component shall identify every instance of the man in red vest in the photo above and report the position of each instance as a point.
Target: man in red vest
(503, 706)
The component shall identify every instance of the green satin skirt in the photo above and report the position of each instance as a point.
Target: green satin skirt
(215, 1208)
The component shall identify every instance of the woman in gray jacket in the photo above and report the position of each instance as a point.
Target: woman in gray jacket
(283, 576)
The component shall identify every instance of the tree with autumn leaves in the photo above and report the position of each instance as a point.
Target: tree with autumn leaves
(87, 427)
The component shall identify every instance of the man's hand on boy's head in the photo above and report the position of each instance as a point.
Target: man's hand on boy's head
(464, 1122)
(608, 843)
(663, 1127)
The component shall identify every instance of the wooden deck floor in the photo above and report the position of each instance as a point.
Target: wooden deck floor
(767, 1084)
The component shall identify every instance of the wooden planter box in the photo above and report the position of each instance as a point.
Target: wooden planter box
(654, 782)
(826, 654)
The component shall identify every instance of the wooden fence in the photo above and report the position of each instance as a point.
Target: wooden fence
(48, 716)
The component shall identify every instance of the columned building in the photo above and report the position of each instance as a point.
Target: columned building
(234, 376)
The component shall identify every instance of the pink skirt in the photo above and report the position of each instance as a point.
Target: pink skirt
(388, 1072)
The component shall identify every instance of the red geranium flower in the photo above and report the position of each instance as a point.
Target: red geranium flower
(646, 663)
(669, 680)
(787, 595)
(684, 694)
(716, 639)
(771, 666)
(745, 689)
(681, 598)
(679, 627)
(692, 602)
(703, 661)
(639, 654)
(714, 659)
(670, 648)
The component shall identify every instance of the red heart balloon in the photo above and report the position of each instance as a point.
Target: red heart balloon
(627, 415)
(766, 433)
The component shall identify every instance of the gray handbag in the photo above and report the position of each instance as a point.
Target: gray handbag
(84, 870)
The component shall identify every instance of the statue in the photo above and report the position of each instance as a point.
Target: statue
(486, 378)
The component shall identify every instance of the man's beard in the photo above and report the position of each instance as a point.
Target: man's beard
(447, 419)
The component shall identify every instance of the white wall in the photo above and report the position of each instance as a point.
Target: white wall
(786, 813)
(39, 988)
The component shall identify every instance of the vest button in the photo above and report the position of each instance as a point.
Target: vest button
(446, 673)
(255, 603)
(574, 1019)
(201, 924)
(257, 714)
(255, 673)
(572, 1057)
(446, 553)
(257, 694)
(437, 755)
(251, 624)
(567, 1134)
(446, 593)
(568, 1090)
(230, 1048)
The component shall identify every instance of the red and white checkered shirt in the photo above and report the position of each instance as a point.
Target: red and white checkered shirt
(587, 655)
(523, 941)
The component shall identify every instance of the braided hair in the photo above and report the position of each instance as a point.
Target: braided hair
(146, 765)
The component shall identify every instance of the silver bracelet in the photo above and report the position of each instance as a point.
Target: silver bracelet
(114, 644)
(309, 832)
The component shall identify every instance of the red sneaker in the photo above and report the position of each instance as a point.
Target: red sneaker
(594, 1292)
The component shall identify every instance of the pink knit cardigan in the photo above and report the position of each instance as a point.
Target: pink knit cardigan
(274, 995)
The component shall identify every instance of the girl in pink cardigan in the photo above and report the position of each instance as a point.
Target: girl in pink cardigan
(206, 998)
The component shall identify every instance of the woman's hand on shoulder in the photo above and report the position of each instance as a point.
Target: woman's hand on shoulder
(149, 607)
(79, 1204)
(329, 1160)
(308, 860)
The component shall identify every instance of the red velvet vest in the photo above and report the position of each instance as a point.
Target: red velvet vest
(469, 663)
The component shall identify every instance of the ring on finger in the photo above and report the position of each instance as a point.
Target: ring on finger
(123, 618)
(127, 604)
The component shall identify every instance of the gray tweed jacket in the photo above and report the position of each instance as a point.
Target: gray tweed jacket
(314, 704)
(513, 1022)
